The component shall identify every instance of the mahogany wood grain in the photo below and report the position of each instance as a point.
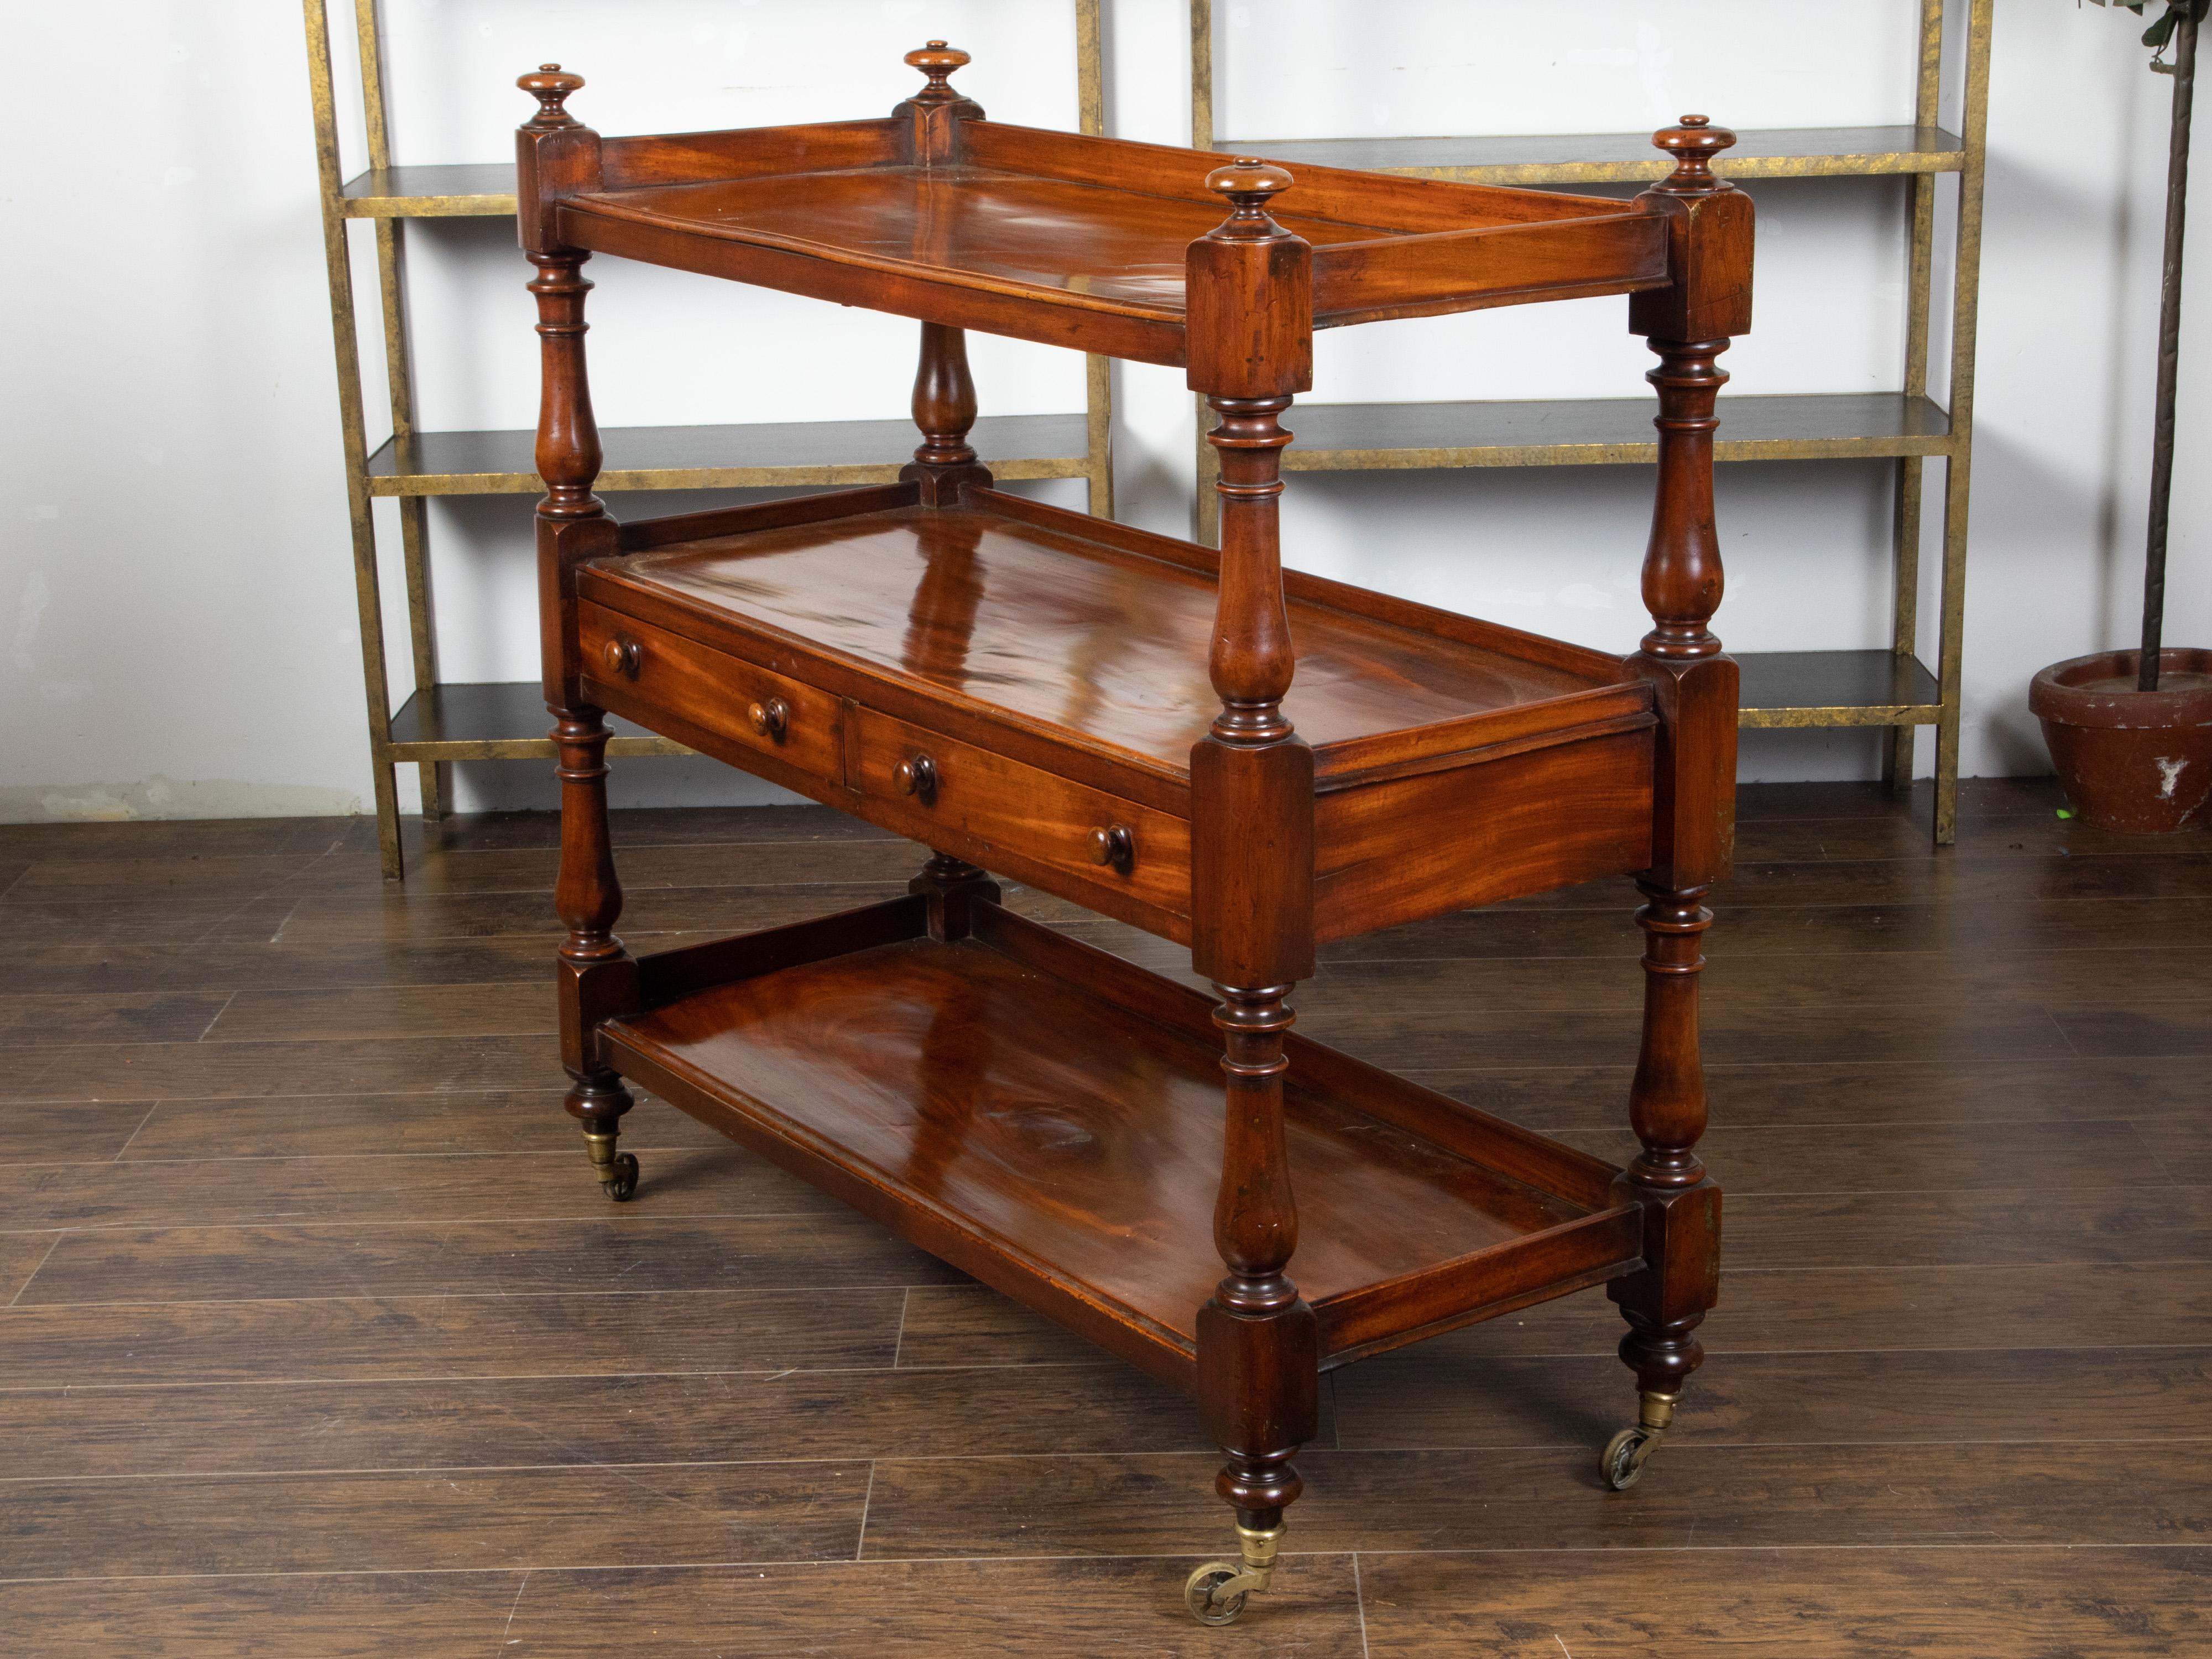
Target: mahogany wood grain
(1523, 823)
(1038, 620)
(906, 1079)
(1695, 689)
(1026, 823)
(710, 689)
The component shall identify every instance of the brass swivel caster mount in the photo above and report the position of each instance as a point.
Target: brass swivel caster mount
(1215, 1593)
(617, 1171)
(1622, 1464)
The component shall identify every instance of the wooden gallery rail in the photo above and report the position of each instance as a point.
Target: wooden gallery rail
(1112, 717)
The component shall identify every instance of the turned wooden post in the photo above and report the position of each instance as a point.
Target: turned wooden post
(1250, 310)
(1688, 324)
(944, 410)
(595, 975)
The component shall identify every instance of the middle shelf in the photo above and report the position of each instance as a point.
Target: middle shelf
(1021, 686)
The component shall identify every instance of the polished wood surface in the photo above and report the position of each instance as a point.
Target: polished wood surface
(1061, 630)
(308, 1282)
(1061, 1142)
(938, 214)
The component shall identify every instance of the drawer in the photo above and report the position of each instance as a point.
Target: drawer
(642, 668)
(1062, 827)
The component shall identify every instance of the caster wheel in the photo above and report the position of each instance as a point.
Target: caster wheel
(625, 1181)
(1198, 1594)
(1619, 1467)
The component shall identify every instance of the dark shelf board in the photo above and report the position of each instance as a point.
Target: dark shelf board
(476, 190)
(1607, 431)
(1837, 688)
(1597, 158)
(501, 721)
(781, 453)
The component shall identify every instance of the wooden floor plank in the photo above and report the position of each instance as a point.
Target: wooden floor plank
(622, 1249)
(231, 1070)
(402, 1337)
(1503, 1497)
(444, 1615)
(1908, 1092)
(685, 1181)
(1421, 1400)
(2142, 1223)
(343, 919)
(1109, 1609)
(431, 1522)
(406, 1011)
(1935, 1603)
(106, 1017)
(383, 1125)
(490, 1423)
(843, 859)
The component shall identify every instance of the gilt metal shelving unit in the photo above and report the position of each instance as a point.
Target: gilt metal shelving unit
(1891, 688)
(442, 722)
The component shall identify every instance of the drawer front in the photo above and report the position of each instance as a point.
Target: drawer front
(1103, 844)
(751, 706)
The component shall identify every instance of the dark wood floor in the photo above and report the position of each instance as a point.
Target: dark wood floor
(318, 1338)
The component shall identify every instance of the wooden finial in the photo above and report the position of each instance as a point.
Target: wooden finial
(550, 87)
(937, 61)
(1248, 182)
(1693, 144)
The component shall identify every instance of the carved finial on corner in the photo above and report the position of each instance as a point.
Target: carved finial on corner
(550, 87)
(1693, 144)
(1248, 182)
(937, 61)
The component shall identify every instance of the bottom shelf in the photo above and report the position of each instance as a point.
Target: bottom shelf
(498, 720)
(1837, 688)
(1049, 1118)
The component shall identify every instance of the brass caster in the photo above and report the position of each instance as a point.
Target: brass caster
(1215, 1593)
(1627, 1452)
(617, 1171)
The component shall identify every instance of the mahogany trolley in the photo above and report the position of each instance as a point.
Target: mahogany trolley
(1111, 717)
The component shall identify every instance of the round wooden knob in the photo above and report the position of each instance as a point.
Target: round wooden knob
(1113, 845)
(622, 657)
(1693, 144)
(937, 61)
(1248, 175)
(916, 777)
(551, 87)
(1248, 182)
(771, 718)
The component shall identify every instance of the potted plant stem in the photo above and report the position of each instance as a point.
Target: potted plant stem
(2130, 731)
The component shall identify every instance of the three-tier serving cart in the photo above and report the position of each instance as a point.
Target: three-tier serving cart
(1243, 760)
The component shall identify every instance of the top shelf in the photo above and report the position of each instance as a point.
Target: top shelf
(1609, 158)
(1072, 241)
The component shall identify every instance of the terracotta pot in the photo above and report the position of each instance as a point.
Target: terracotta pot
(2130, 759)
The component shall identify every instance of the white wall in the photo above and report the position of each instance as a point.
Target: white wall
(175, 577)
